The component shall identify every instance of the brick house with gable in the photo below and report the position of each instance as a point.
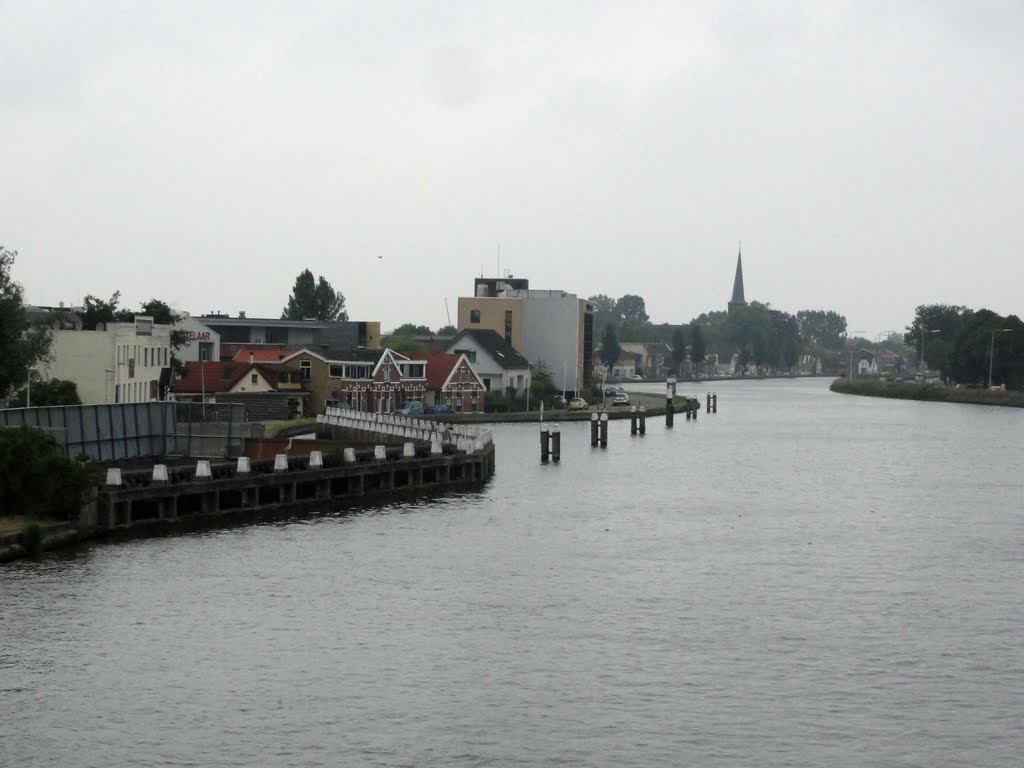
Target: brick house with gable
(363, 379)
(452, 381)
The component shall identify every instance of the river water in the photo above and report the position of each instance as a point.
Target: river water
(803, 579)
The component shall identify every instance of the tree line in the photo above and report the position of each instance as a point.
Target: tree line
(964, 344)
(757, 333)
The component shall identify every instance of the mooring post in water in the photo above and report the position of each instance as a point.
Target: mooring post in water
(669, 410)
(694, 406)
(604, 430)
(556, 443)
(160, 474)
(632, 419)
(545, 445)
(714, 403)
(280, 462)
(593, 430)
(642, 413)
(203, 469)
(709, 403)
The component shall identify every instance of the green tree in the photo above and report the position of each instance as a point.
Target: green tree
(447, 330)
(96, 311)
(605, 312)
(315, 299)
(697, 347)
(410, 329)
(404, 345)
(542, 385)
(633, 311)
(48, 392)
(823, 327)
(22, 343)
(610, 348)
(936, 327)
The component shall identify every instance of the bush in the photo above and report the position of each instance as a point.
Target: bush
(38, 480)
(32, 536)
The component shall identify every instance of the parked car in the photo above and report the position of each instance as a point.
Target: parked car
(611, 391)
(638, 377)
(411, 408)
(578, 404)
(621, 398)
(559, 402)
(439, 408)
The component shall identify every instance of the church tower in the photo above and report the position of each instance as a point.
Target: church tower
(737, 285)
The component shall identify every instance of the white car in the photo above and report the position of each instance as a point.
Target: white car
(621, 398)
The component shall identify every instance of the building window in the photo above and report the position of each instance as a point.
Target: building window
(305, 370)
(254, 379)
(387, 372)
(474, 316)
(337, 372)
(508, 326)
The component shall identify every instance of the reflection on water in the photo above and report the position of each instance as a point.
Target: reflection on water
(802, 579)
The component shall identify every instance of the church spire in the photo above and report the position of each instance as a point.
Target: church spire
(737, 285)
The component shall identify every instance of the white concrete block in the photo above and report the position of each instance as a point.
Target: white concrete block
(281, 462)
(114, 476)
(316, 460)
(244, 466)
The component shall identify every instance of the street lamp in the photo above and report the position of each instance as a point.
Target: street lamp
(992, 349)
(850, 376)
(923, 333)
(28, 387)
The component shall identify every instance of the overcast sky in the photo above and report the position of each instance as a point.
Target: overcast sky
(868, 155)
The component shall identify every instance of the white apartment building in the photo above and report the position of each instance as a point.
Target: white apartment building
(123, 363)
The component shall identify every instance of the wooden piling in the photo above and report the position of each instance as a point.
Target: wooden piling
(604, 430)
(632, 420)
(714, 403)
(642, 414)
(593, 430)
(556, 443)
(669, 408)
(545, 445)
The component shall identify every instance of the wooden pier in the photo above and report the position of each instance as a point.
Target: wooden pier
(141, 499)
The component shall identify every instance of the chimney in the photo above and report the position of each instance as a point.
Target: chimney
(251, 358)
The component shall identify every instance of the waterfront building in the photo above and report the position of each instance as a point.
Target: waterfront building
(452, 381)
(550, 327)
(116, 363)
(233, 333)
(499, 365)
(201, 341)
(361, 378)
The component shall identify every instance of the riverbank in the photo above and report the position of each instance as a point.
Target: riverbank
(905, 390)
(654, 405)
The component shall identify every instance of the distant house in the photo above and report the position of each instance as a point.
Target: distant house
(867, 364)
(889, 362)
(223, 377)
(364, 379)
(659, 360)
(498, 363)
(452, 381)
(809, 365)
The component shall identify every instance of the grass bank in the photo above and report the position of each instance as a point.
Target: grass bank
(906, 390)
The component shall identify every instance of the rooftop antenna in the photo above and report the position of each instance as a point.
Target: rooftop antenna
(446, 310)
(499, 259)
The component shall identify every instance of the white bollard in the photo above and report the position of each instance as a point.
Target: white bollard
(349, 456)
(203, 470)
(316, 460)
(244, 466)
(380, 453)
(114, 476)
(281, 462)
(159, 473)
(435, 447)
(409, 451)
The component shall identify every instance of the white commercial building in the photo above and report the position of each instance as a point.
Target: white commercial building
(201, 341)
(123, 363)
